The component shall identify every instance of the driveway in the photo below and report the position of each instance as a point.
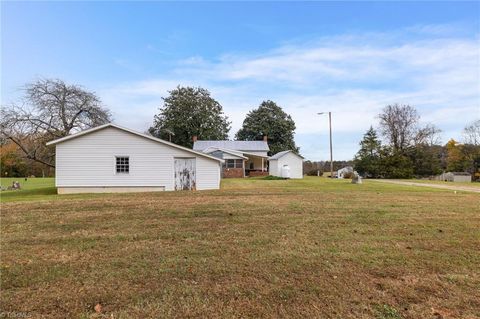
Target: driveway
(452, 186)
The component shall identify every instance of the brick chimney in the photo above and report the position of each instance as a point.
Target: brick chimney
(194, 138)
(265, 138)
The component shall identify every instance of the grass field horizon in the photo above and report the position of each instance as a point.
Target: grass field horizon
(40, 188)
(256, 248)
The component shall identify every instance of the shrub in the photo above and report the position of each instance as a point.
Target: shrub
(348, 175)
(272, 178)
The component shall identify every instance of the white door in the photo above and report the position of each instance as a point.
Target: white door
(185, 174)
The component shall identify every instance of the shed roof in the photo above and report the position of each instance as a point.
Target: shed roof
(101, 127)
(283, 153)
(232, 145)
(460, 173)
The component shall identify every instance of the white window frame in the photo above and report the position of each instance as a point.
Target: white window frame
(235, 161)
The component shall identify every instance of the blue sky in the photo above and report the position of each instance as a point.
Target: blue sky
(351, 58)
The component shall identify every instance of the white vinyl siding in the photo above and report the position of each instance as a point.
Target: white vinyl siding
(89, 161)
(273, 168)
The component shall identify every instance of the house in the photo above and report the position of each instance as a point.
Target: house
(286, 164)
(111, 158)
(346, 172)
(242, 158)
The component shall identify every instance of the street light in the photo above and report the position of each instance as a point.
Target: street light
(331, 152)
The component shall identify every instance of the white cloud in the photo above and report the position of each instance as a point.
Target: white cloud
(352, 75)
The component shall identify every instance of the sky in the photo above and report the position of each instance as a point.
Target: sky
(350, 58)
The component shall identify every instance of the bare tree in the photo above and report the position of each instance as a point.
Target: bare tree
(428, 135)
(471, 133)
(399, 125)
(51, 109)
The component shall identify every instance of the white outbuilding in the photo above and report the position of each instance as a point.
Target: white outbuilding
(111, 158)
(286, 164)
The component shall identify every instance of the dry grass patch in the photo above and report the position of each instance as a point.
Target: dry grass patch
(309, 248)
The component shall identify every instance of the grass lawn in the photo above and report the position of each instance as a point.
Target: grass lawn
(32, 188)
(299, 248)
(423, 181)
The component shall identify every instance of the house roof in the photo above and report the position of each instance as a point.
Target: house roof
(231, 152)
(101, 127)
(283, 153)
(252, 154)
(232, 145)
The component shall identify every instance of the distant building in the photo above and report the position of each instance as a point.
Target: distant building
(455, 177)
(242, 158)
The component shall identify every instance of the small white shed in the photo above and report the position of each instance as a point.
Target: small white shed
(286, 159)
(457, 177)
(110, 158)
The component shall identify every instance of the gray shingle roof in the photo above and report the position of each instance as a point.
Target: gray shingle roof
(232, 145)
(280, 154)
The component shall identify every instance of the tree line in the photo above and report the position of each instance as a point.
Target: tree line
(51, 109)
(398, 148)
(317, 168)
(402, 148)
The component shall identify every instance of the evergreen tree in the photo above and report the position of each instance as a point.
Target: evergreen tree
(394, 164)
(269, 119)
(189, 112)
(367, 160)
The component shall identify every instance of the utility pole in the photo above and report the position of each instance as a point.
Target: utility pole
(331, 147)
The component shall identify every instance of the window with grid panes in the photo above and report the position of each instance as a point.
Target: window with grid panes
(122, 164)
(234, 163)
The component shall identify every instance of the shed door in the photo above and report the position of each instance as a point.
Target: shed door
(185, 174)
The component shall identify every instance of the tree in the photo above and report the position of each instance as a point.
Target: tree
(11, 164)
(312, 168)
(471, 133)
(189, 112)
(426, 153)
(367, 160)
(398, 124)
(427, 159)
(51, 109)
(269, 120)
(394, 164)
(456, 161)
(427, 135)
(408, 143)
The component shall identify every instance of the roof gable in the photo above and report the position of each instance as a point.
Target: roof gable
(101, 127)
(283, 153)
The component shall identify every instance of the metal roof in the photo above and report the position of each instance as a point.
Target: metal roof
(282, 153)
(101, 127)
(231, 152)
(232, 145)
